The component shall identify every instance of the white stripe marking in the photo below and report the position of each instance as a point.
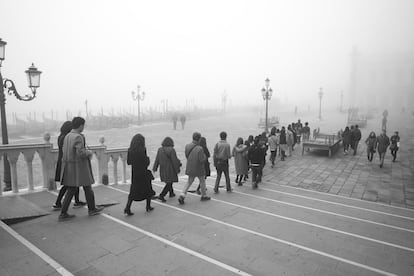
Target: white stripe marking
(274, 239)
(339, 196)
(322, 211)
(59, 268)
(171, 243)
(339, 204)
(328, 212)
(175, 245)
(309, 223)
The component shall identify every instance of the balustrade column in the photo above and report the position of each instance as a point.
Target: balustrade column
(115, 162)
(13, 157)
(124, 166)
(48, 164)
(28, 156)
(102, 164)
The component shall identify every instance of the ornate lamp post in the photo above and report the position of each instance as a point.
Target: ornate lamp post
(139, 96)
(267, 95)
(224, 100)
(320, 94)
(33, 78)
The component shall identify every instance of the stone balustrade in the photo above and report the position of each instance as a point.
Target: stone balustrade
(48, 158)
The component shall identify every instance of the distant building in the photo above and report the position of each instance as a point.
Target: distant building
(382, 81)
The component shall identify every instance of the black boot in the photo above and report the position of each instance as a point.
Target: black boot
(149, 208)
(127, 209)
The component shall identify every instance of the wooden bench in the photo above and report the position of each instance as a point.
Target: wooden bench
(323, 142)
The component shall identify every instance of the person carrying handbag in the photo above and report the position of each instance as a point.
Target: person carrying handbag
(169, 165)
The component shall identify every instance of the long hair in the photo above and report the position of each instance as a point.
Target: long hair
(167, 142)
(66, 128)
(203, 142)
(239, 141)
(372, 135)
(137, 143)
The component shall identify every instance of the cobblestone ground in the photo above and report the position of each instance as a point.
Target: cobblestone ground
(354, 176)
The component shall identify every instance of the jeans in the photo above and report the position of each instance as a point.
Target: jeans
(257, 172)
(273, 156)
(223, 169)
(190, 181)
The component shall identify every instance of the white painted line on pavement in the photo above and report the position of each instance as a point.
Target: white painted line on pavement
(325, 212)
(339, 196)
(308, 223)
(320, 210)
(171, 243)
(338, 203)
(177, 246)
(59, 268)
(370, 268)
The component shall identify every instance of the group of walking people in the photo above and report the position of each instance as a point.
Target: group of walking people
(381, 143)
(73, 168)
(351, 137)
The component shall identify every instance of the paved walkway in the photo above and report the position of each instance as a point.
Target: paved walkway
(312, 215)
(354, 176)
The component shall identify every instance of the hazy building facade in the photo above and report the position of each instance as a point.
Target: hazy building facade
(382, 81)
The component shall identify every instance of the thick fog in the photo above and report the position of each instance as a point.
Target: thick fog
(190, 52)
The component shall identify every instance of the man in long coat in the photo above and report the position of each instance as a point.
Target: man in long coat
(382, 143)
(76, 169)
(195, 167)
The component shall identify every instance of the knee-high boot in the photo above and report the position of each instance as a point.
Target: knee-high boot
(127, 209)
(149, 208)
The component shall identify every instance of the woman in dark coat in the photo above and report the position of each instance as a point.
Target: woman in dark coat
(141, 188)
(241, 160)
(382, 144)
(371, 142)
(283, 144)
(395, 143)
(64, 129)
(169, 165)
(203, 144)
(346, 139)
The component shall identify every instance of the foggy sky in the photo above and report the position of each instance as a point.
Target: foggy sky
(101, 50)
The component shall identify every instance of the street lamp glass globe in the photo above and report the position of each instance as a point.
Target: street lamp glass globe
(2, 49)
(33, 76)
(267, 82)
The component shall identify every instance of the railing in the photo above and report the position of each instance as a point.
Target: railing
(328, 139)
(48, 158)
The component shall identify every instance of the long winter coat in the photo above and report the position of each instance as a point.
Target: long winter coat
(346, 137)
(371, 143)
(169, 164)
(76, 165)
(241, 160)
(141, 187)
(60, 154)
(383, 143)
(289, 138)
(195, 160)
